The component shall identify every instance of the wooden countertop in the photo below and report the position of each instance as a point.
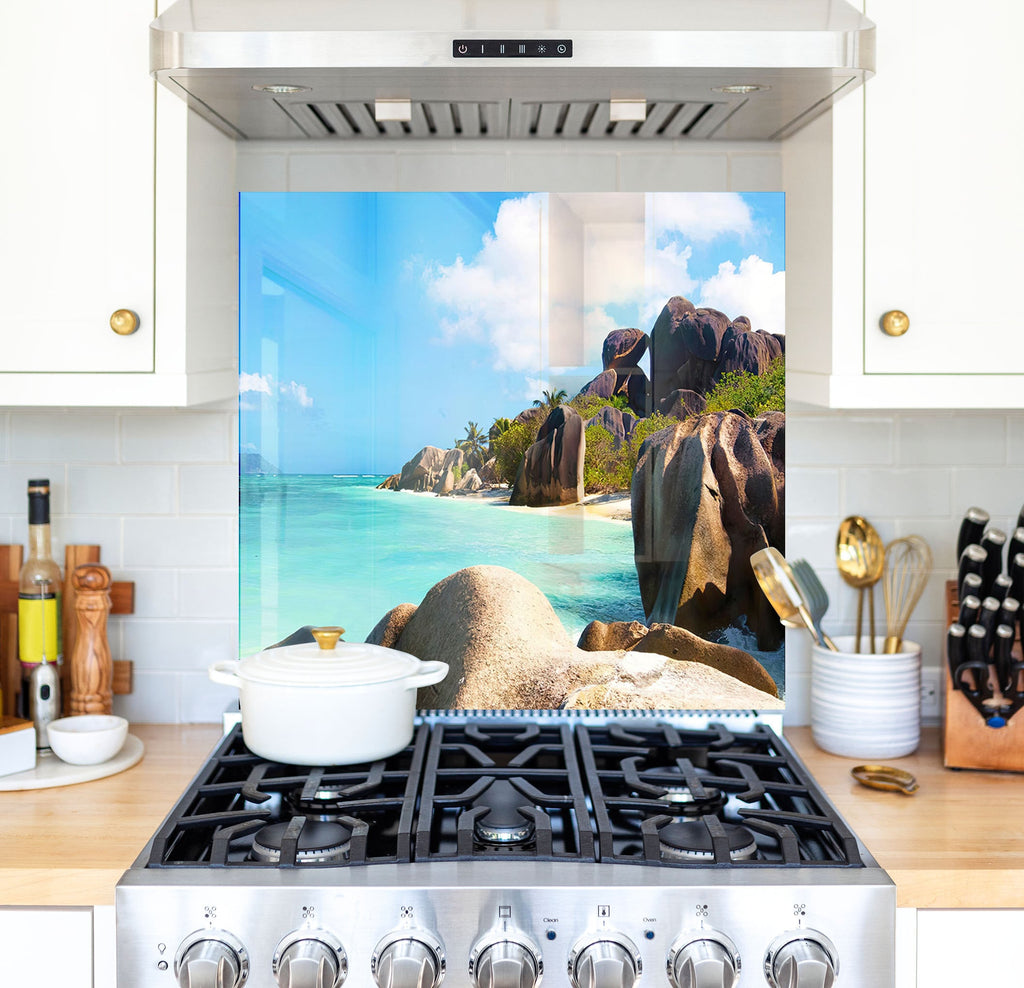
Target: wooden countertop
(959, 842)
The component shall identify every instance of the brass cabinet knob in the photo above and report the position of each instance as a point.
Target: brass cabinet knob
(124, 322)
(895, 323)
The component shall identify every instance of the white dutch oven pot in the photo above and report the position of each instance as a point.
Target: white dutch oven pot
(328, 702)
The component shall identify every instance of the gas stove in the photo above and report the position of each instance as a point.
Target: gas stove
(499, 849)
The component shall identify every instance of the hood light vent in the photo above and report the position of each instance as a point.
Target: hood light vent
(576, 119)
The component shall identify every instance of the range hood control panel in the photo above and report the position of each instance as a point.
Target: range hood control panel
(535, 48)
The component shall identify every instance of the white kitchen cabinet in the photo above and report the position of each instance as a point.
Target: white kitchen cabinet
(906, 197)
(113, 196)
(969, 947)
(47, 947)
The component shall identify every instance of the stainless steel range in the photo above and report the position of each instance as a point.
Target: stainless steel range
(498, 850)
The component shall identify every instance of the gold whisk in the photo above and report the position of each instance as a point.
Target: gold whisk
(908, 563)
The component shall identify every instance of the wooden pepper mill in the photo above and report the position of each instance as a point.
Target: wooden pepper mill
(91, 668)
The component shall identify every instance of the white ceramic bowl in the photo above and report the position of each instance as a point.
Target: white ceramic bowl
(88, 739)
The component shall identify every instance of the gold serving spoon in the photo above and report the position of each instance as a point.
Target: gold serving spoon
(860, 558)
(776, 580)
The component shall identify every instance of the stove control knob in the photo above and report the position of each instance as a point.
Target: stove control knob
(505, 958)
(310, 959)
(708, 961)
(609, 960)
(409, 959)
(801, 959)
(211, 959)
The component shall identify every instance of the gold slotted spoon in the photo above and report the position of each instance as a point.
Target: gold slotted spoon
(860, 558)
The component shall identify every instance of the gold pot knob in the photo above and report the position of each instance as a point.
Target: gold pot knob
(124, 322)
(895, 323)
(327, 638)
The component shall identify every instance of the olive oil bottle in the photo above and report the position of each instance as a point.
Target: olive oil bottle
(39, 592)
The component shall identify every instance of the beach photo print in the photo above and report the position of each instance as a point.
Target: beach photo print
(535, 436)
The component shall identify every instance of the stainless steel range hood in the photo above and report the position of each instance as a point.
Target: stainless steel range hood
(495, 69)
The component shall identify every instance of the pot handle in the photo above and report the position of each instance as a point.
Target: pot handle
(430, 673)
(225, 673)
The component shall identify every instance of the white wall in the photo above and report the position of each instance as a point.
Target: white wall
(158, 489)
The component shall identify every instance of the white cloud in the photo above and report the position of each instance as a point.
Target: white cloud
(701, 216)
(535, 387)
(669, 275)
(754, 289)
(495, 296)
(254, 382)
(263, 384)
(298, 392)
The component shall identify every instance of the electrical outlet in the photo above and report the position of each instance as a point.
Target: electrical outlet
(931, 694)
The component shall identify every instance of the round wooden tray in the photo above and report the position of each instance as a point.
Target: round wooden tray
(50, 771)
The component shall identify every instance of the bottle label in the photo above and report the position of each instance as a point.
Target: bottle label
(39, 629)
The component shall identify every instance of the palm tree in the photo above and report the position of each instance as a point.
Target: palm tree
(551, 399)
(498, 427)
(474, 441)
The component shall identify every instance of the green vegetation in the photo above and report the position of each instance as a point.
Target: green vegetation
(754, 394)
(589, 405)
(510, 447)
(606, 468)
(474, 441)
(550, 400)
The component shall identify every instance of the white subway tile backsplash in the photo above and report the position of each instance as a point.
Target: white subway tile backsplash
(208, 490)
(811, 492)
(14, 478)
(209, 593)
(202, 700)
(1015, 439)
(122, 490)
(179, 542)
(159, 645)
(154, 699)
(945, 439)
(854, 440)
(75, 437)
(101, 530)
(156, 592)
(312, 172)
(673, 173)
(999, 490)
(175, 437)
(897, 493)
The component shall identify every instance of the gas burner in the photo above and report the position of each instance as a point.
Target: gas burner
(502, 824)
(318, 843)
(691, 841)
(681, 800)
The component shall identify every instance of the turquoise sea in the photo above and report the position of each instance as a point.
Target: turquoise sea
(335, 550)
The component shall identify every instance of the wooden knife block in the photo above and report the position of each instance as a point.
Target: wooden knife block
(122, 595)
(968, 742)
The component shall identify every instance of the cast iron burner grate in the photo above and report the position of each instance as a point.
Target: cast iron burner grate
(630, 791)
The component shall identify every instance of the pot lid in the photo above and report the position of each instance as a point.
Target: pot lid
(338, 664)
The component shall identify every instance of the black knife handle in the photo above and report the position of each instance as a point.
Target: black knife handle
(1010, 611)
(1002, 660)
(1016, 545)
(972, 560)
(972, 527)
(970, 608)
(993, 542)
(977, 660)
(1000, 586)
(956, 650)
(1017, 575)
(988, 619)
(1020, 517)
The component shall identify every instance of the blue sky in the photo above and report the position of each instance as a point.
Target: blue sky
(373, 324)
